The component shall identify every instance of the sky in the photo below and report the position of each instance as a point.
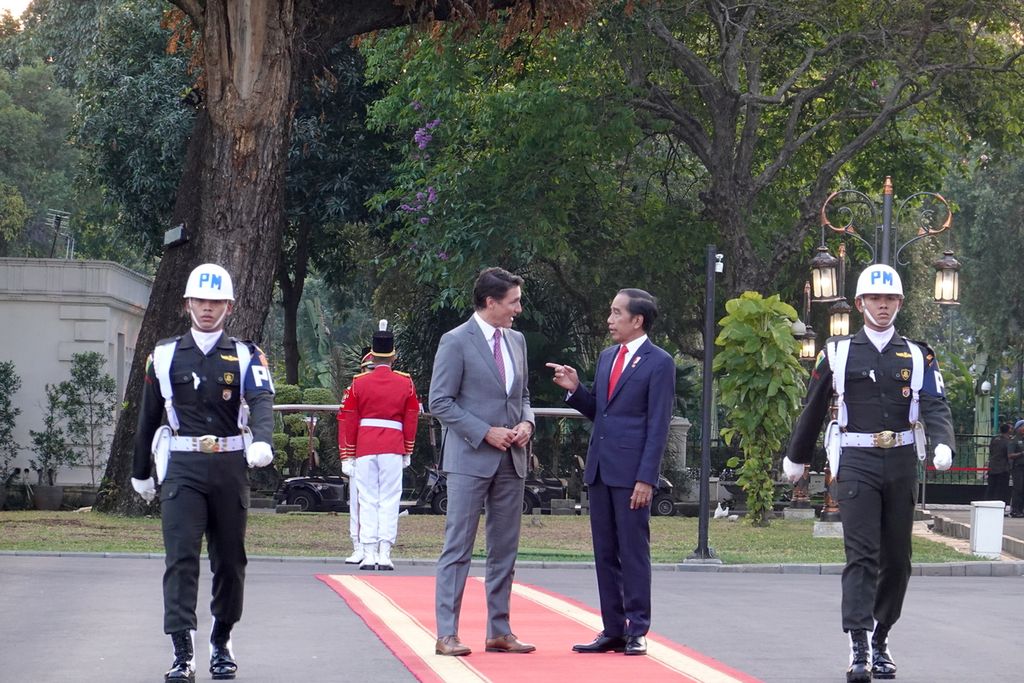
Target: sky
(16, 6)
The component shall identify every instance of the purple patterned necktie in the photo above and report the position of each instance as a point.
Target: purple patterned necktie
(497, 355)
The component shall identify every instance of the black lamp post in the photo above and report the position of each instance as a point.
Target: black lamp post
(883, 245)
(703, 552)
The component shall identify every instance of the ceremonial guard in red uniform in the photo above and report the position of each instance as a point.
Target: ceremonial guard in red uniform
(380, 414)
(348, 469)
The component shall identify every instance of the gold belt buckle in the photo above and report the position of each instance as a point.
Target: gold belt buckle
(886, 439)
(208, 444)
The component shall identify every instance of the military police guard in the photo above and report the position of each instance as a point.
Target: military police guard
(217, 397)
(380, 415)
(884, 386)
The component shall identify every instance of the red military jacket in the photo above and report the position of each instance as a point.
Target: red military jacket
(379, 414)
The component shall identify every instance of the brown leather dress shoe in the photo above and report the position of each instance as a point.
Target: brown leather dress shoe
(451, 647)
(508, 643)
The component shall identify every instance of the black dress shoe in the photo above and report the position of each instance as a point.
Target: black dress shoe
(181, 670)
(636, 645)
(222, 660)
(860, 669)
(602, 643)
(882, 666)
(222, 663)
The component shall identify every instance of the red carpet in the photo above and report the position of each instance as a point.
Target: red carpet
(400, 610)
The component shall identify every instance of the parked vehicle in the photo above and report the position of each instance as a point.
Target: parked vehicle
(663, 503)
(314, 494)
(433, 492)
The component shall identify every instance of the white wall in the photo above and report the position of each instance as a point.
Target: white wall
(51, 309)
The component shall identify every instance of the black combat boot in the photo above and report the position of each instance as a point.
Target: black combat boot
(222, 660)
(860, 670)
(183, 668)
(882, 665)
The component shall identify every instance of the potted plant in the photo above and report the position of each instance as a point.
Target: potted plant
(52, 450)
(10, 383)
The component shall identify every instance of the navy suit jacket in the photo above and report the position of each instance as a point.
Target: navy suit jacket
(630, 427)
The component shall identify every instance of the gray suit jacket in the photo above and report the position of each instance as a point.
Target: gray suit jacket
(468, 397)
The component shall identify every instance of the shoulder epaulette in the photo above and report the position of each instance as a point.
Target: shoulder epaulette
(175, 339)
(361, 374)
(403, 374)
(928, 351)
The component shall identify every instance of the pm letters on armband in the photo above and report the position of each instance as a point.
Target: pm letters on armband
(261, 376)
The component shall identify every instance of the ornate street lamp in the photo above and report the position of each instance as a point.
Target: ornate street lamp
(839, 318)
(823, 275)
(947, 279)
(927, 222)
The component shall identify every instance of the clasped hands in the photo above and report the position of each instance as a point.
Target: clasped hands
(504, 438)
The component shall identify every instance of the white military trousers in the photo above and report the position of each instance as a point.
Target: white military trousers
(379, 487)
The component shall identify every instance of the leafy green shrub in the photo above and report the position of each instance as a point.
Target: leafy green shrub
(10, 383)
(761, 382)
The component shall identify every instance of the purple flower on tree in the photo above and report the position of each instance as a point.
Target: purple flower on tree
(431, 195)
(422, 138)
(443, 255)
(424, 220)
(416, 106)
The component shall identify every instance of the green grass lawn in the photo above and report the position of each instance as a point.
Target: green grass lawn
(421, 536)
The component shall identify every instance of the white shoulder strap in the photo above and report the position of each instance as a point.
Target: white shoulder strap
(163, 354)
(916, 380)
(838, 352)
(244, 359)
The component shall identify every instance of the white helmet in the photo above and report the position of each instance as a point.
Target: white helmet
(209, 281)
(879, 279)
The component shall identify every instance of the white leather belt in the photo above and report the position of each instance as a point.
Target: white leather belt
(884, 439)
(207, 443)
(386, 424)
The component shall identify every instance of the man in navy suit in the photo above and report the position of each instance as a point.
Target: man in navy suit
(630, 405)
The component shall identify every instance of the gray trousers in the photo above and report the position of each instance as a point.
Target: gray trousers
(502, 496)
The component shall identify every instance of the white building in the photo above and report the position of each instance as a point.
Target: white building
(51, 309)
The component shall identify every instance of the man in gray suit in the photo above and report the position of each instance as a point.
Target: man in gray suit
(479, 394)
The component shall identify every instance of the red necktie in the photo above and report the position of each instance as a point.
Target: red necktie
(497, 355)
(620, 360)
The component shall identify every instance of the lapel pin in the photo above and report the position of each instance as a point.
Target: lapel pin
(636, 361)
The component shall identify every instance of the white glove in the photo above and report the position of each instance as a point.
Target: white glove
(943, 457)
(406, 460)
(146, 488)
(348, 466)
(793, 470)
(259, 454)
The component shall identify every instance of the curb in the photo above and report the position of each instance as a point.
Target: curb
(948, 527)
(980, 568)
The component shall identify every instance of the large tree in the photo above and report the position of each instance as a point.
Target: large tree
(230, 199)
(775, 99)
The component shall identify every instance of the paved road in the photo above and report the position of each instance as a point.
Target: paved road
(86, 618)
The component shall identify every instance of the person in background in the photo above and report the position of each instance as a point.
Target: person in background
(381, 413)
(348, 468)
(1015, 454)
(998, 486)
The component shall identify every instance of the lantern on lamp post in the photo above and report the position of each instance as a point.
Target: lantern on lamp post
(947, 279)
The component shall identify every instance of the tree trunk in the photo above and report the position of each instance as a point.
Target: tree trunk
(230, 198)
(292, 287)
(231, 195)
